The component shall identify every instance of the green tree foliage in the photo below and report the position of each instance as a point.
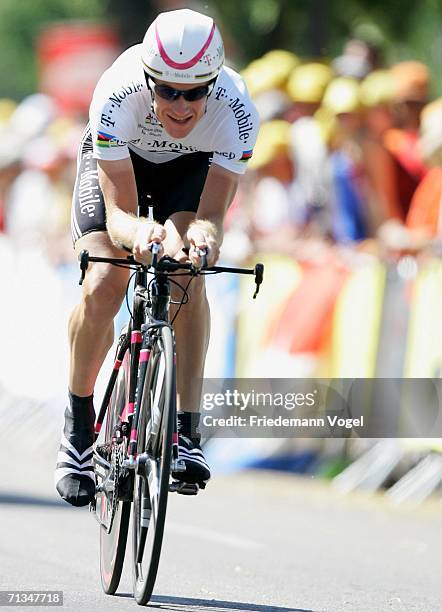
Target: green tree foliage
(319, 28)
(20, 23)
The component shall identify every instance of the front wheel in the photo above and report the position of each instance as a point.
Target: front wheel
(155, 433)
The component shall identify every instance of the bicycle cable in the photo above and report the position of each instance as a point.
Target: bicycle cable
(127, 294)
(184, 299)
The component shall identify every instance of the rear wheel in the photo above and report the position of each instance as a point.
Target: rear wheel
(114, 514)
(155, 432)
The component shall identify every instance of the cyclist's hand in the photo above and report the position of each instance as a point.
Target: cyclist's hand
(202, 236)
(147, 232)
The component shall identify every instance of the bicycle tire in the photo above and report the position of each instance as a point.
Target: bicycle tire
(158, 408)
(113, 544)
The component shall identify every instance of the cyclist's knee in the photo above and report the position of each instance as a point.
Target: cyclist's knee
(104, 291)
(196, 290)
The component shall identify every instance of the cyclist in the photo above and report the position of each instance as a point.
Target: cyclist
(170, 125)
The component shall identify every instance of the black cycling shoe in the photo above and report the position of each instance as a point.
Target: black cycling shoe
(74, 473)
(197, 470)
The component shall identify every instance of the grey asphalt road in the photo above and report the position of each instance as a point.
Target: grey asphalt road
(258, 542)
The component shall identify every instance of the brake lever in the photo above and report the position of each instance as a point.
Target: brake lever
(155, 249)
(84, 264)
(259, 276)
(203, 254)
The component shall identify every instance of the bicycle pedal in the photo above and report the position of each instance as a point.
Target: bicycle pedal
(183, 488)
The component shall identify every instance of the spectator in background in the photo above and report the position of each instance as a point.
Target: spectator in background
(36, 183)
(401, 167)
(424, 219)
(348, 199)
(277, 207)
(37, 198)
(306, 87)
(266, 80)
(376, 95)
(358, 59)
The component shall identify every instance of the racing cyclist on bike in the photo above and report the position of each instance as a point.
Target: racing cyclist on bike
(172, 127)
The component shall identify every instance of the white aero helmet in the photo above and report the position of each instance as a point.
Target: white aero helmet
(183, 47)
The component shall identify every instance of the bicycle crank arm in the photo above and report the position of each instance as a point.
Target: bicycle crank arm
(103, 471)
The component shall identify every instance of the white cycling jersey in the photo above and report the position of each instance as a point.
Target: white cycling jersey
(122, 118)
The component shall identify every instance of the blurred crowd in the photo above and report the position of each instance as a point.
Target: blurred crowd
(347, 169)
(38, 153)
(349, 153)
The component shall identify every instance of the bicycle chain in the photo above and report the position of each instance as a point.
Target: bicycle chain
(115, 462)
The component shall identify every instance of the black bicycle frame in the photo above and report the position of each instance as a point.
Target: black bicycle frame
(133, 337)
(139, 352)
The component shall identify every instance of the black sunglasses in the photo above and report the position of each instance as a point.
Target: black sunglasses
(170, 93)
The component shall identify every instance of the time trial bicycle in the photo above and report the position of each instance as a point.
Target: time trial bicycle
(136, 452)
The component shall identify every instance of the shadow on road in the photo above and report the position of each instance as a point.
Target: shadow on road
(187, 604)
(29, 500)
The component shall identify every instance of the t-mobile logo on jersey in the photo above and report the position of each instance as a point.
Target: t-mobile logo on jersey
(243, 120)
(221, 93)
(89, 194)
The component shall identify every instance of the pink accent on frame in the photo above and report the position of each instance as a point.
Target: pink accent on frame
(98, 428)
(117, 364)
(133, 435)
(128, 411)
(175, 438)
(170, 62)
(144, 355)
(135, 337)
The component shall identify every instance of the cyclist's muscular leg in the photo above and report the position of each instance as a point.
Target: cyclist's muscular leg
(192, 328)
(91, 328)
(91, 335)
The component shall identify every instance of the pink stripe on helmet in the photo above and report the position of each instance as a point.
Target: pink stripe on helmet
(170, 62)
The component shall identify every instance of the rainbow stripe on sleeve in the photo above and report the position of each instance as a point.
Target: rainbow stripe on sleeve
(246, 155)
(106, 140)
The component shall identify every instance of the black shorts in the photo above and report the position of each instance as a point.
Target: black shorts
(169, 187)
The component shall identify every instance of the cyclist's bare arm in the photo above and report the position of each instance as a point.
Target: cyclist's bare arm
(117, 182)
(207, 229)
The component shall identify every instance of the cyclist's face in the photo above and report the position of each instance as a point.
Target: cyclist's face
(179, 116)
